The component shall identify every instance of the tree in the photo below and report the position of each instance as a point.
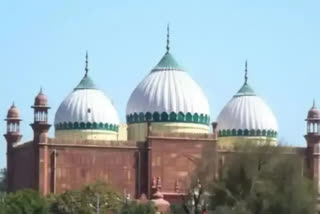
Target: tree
(2, 204)
(25, 202)
(106, 196)
(68, 202)
(138, 208)
(85, 201)
(262, 180)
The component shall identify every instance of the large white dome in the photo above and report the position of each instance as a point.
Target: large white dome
(246, 114)
(86, 107)
(168, 93)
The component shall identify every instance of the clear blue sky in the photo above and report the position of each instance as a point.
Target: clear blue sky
(43, 43)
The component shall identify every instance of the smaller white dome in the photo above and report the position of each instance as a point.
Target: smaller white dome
(86, 107)
(247, 114)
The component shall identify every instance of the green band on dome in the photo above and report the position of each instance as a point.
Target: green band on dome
(86, 126)
(165, 117)
(246, 132)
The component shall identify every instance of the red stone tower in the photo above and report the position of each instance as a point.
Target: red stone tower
(313, 144)
(41, 128)
(13, 137)
(40, 124)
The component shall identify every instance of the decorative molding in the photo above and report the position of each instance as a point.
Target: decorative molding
(86, 126)
(246, 132)
(165, 117)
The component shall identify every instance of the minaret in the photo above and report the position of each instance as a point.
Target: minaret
(313, 144)
(40, 128)
(13, 137)
(40, 124)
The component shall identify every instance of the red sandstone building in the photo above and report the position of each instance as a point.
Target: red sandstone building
(167, 129)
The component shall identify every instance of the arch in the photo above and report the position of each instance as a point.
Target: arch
(264, 132)
(246, 132)
(100, 125)
(135, 117)
(196, 118)
(148, 116)
(111, 127)
(173, 116)
(206, 119)
(70, 125)
(76, 125)
(82, 125)
(156, 116)
(233, 132)
(258, 132)
(180, 116)
(228, 132)
(240, 132)
(201, 118)
(131, 118)
(88, 125)
(65, 125)
(252, 132)
(268, 133)
(224, 132)
(141, 117)
(95, 125)
(164, 116)
(106, 126)
(189, 117)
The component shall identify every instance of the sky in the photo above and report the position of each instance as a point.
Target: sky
(43, 44)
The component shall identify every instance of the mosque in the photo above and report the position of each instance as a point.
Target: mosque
(167, 127)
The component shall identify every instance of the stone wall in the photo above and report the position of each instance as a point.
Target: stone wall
(22, 160)
(175, 158)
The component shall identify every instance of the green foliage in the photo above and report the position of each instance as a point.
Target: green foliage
(2, 204)
(24, 202)
(109, 198)
(262, 180)
(86, 200)
(68, 203)
(177, 209)
(83, 201)
(138, 208)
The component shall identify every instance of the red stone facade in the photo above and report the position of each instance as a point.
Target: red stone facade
(54, 166)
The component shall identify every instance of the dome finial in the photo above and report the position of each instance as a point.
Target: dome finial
(314, 104)
(13, 105)
(41, 91)
(168, 38)
(246, 72)
(86, 68)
